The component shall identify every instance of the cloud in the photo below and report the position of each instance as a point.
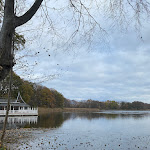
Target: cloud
(118, 70)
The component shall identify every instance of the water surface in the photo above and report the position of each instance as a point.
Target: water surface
(110, 130)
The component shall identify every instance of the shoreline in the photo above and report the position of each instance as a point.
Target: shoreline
(13, 136)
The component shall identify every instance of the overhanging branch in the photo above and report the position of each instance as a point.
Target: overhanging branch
(29, 14)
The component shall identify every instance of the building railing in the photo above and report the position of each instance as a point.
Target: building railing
(21, 111)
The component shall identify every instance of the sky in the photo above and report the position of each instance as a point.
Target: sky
(115, 67)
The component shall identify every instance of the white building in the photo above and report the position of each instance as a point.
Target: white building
(17, 107)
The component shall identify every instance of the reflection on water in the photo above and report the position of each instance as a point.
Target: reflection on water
(52, 120)
(110, 115)
(55, 120)
(18, 121)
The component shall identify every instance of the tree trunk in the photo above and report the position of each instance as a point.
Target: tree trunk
(6, 57)
(8, 107)
(7, 30)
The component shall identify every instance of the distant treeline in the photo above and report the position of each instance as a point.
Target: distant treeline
(107, 105)
(38, 95)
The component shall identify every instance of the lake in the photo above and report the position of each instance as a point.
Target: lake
(108, 130)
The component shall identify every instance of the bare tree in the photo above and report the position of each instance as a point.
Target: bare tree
(10, 22)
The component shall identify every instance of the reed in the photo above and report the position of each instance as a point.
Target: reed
(43, 110)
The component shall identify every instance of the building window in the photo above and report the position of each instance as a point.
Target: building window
(1, 107)
(11, 107)
(26, 108)
(16, 108)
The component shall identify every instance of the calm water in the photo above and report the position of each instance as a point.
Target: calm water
(111, 130)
